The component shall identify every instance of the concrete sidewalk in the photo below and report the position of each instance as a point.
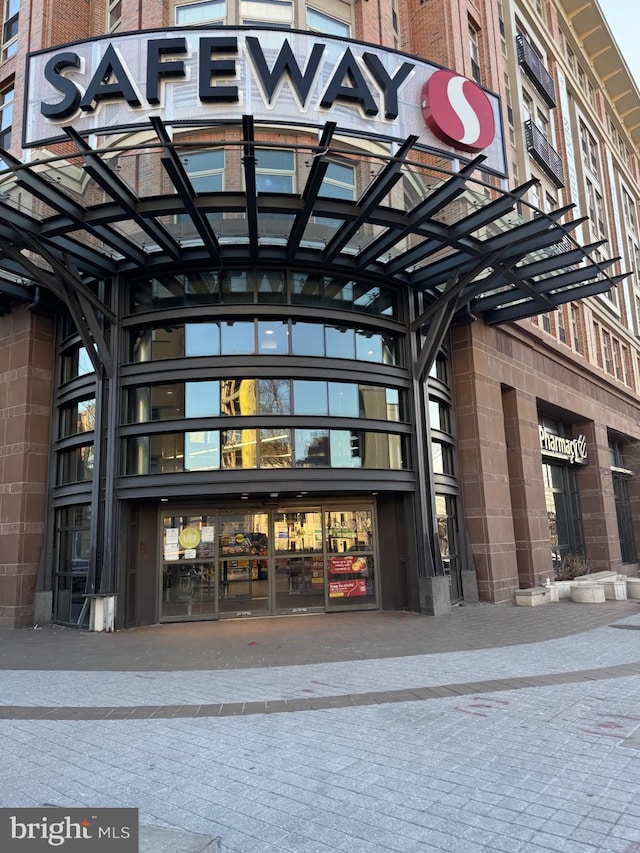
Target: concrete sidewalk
(490, 729)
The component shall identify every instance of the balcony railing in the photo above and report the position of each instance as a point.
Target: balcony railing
(531, 63)
(544, 153)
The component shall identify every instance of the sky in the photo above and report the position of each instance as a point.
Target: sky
(623, 17)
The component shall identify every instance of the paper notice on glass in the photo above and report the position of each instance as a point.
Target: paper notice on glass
(171, 535)
(207, 534)
(171, 555)
(190, 554)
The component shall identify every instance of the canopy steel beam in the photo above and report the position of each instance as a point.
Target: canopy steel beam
(317, 172)
(249, 166)
(52, 195)
(372, 197)
(180, 179)
(122, 195)
(439, 199)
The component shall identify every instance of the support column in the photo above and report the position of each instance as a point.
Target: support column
(26, 358)
(530, 522)
(484, 470)
(597, 501)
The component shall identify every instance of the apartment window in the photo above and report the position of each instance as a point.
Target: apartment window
(261, 13)
(629, 208)
(474, 53)
(595, 206)
(114, 15)
(571, 59)
(589, 149)
(205, 170)
(546, 322)
(320, 22)
(562, 332)
(527, 106)
(275, 170)
(10, 16)
(617, 361)
(607, 352)
(6, 117)
(209, 12)
(575, 328)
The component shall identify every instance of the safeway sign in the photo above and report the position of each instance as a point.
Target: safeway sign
(115, 83)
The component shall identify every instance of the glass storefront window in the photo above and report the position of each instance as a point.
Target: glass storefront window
(202, 399)
(273, 337)
(343, 400)
(207, 287)
(237, 338)
(76, 363)
(312, 448)
(310, 397)
(72, 550)
(77, 418)
(340, 342)
(274, 396)
(345, 448)
(350, 569)
(75, 465)
(275, 448)
(201, 339)
(202, 450)
(238, 397)
(239, 448)
(307, 338)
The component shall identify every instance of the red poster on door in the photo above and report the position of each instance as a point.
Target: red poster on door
(347, 589)
(347, 565)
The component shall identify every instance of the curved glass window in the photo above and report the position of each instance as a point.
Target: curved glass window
(75, 465)
(266, 337)
(275, 447)
(78, 417)
(238, 397)
(262, 285)
(75, 363)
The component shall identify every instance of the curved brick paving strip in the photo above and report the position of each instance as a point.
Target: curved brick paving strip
(278, 706)
(322, 686)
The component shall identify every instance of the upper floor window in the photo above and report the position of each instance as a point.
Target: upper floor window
(589, 149)
(10, 16)
(114, 15)
(629, 207)
(6, 116)
(474, 53)
(208, 12)
(265, 13)
(320, 22)
(275, 170)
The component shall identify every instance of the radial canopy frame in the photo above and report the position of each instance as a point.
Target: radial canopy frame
(479, 259)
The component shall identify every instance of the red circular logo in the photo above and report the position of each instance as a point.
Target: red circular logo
(458, 111)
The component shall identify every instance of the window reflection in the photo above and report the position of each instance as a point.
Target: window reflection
(307, 338)
(275, 396)
(201, 450)
(201, 339)
(309, 397)
(340, 342)
(312, 448)
(238, 397)
(237, 338)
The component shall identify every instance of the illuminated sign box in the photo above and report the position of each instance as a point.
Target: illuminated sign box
(116, 83)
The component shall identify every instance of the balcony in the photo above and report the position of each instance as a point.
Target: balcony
(544, 153)
(532, 65)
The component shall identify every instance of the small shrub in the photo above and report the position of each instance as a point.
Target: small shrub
(571, 566)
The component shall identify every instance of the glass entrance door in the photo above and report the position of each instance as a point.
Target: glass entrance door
(299, 561)
(243, 580)
(257, 562)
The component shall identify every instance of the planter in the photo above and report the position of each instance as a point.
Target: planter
(633, 588)
(615, 589)
(587, 593)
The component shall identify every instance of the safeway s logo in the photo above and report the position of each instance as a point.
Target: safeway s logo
(458, 111)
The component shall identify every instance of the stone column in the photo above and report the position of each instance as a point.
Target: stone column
(530, 521)
(26, 360)
(484, 470)
(597, 501)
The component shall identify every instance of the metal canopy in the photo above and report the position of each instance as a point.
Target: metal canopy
(69, 222)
